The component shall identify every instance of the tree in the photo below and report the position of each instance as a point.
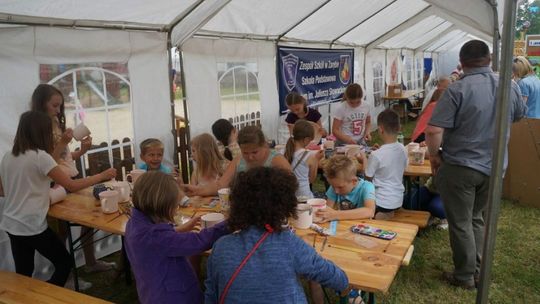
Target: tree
(528, 17)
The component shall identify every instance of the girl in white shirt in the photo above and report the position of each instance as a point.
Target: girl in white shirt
(25, 175)
(352, 121)
(304, 164)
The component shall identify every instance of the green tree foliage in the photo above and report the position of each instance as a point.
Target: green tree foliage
(528, 13)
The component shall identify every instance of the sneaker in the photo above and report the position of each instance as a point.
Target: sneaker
(355, 297)
(449, 278)
(443, 224)
(100, 266)
(83, 285)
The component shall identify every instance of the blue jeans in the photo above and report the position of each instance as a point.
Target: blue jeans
(429, 201)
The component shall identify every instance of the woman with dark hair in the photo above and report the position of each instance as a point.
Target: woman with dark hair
(263, 249)
(227, 137)
(298, 109)
(25, 175)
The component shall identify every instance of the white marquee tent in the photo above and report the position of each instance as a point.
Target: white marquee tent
(140, 33)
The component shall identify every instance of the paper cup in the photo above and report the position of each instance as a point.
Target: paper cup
(80, 132)
(210, 219)
(57, 194)
(224, 194)
(317, 204)
(123, 189)
(135, 174)
(329, 144)
(109, 201)
(304, 214)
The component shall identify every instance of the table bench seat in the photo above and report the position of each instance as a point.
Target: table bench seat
(415, 217)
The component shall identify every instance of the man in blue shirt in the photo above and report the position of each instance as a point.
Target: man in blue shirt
(464, 122)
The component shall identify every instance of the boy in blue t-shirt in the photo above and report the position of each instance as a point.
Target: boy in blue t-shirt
(349, 197)
(152, 155)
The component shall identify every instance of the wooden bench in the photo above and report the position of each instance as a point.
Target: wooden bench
(16, 288)
(415, 217)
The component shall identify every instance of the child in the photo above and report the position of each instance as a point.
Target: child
(386, 165)
(304, 165)
(157, 250)
(227, 137)
(209, 162)
(262, 199)
(152, 155)
(298, 108)
(353, 197)
(352, 121)
(418, 135)
(50, 100)
(25, 175)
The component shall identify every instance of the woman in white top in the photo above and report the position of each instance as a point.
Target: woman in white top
(25, 175)
(303, 162)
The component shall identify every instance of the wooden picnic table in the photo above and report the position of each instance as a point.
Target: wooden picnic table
(19, 289)
(406, 94)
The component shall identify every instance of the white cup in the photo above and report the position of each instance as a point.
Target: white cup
(57, 194)
(109, 201)
(224, 194)
(412, 147)
(329, 144)
(317, 204)
(123, 188)
(135, 174)
(80, 132)
(304, 214)
(210, 219)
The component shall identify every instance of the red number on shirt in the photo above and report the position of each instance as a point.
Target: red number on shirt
(358, 126)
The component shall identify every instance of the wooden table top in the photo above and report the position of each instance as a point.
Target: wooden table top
(19, 289)
(404, 94)
(82, 208)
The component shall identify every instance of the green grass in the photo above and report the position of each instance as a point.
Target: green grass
(515, 272)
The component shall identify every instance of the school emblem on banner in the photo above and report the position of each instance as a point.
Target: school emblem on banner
(290, 67)
(345, 69)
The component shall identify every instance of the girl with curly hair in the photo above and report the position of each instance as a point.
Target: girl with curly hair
(262, 199)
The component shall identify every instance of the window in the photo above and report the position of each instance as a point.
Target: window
(419, 73)
(378, 83)
(98, 95)
(239, 92)
(409, 70)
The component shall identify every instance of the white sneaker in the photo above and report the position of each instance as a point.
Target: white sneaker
(83, 285)
(443, 224)
(100, 266)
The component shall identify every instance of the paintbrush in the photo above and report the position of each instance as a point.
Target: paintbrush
(346, 248)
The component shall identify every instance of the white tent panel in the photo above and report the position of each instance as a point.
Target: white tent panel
(427, 36)
(384, 21)
(260, 17)
(322, 25)
(454, 43)
(140, 11)
(436, 44)
(474, 14)
(394, 66)
(375, 74)
(412, 33)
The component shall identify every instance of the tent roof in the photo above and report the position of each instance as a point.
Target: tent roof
(412, 24)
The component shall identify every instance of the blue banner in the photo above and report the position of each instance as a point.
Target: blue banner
(320, 75)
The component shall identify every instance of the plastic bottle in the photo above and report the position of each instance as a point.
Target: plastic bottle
(400, 138)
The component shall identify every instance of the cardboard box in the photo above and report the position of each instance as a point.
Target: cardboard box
(394, 90)
(521, 182)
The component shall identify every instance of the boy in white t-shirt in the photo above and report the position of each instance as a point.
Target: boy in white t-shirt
(351, 118)
(386, 165)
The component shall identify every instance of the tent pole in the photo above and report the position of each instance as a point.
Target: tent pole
(496, 37)
(184, 103)
(499, 149)
(171, 98)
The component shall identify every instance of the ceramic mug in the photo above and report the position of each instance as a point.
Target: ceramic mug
(304, 214)
(109, 201)
(80, 132)
(210, 219)
(123, 188)
(57, 194)
(317, 204)
(135, 174)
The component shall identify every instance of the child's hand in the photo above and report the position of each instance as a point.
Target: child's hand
(67, 136)
(86, 144)
(368, 136)
(318, 155)
(108, 174)
(189, 225)
(191, 190)
(361, 157)
(327, 214)
(375, 147)
(423, 144)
